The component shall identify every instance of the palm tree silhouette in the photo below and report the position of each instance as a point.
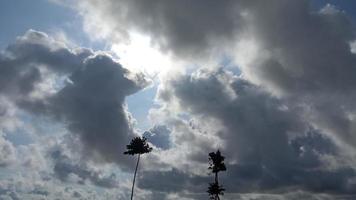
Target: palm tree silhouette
(216, 162)
(138, 146)
(215, 190)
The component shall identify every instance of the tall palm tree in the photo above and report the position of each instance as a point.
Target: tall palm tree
(216, 162)
(137, 146)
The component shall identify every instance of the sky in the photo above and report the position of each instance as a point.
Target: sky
(271, 84)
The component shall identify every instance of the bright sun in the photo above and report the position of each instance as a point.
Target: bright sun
(139, 55)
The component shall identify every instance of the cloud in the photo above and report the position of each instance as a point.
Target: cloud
(291, 195)
(172, 181)
(83, 90)
(269, 147)
(183, 27)
(241, 108)
(65, 167)
(276, 122)
(7, 152)
(15, 190)
(159, 136)
(93, 104)
(296, 67)
(305, 57)
(63, 174)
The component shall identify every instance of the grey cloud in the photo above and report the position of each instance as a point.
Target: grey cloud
(296, 195)
(21, 61)
(40, 191)
(309, 51)
(186, 28)
(93, 106)
(245, 117)
(301, 77)
(303, 54)
(159, 136)
(64, 167)
(257, 132)
(309, 64)
(309, 61)
(259, 178)
(49, 190)
(36, 47)
(91, 102)
(7, 152)
(173, 181)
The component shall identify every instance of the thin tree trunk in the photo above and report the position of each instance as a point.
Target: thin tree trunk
(133, 183)
(217, 182)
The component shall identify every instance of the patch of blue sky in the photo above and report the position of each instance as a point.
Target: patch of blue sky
(226, 62)
(139, 105)
(34, 126)
(18, 16)
(349, 6)
(19, 137)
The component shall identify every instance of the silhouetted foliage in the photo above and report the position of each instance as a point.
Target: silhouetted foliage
(215, 190)
(138, 146)
(216, 162)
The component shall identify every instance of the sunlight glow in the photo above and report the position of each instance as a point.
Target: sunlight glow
(139, 55)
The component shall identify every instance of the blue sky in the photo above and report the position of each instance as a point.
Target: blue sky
(42, 15)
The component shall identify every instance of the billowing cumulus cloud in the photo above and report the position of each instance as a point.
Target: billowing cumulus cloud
(292, 49)
(93, 104)
(244, 111)
(282, 121)
(309, 62)
(84, 90)
(269, 147)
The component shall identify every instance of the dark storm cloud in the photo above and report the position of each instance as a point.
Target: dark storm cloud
(90, 102)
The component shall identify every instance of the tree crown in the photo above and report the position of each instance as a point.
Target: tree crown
(216, 161)
(215, 189)
(138, 145)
